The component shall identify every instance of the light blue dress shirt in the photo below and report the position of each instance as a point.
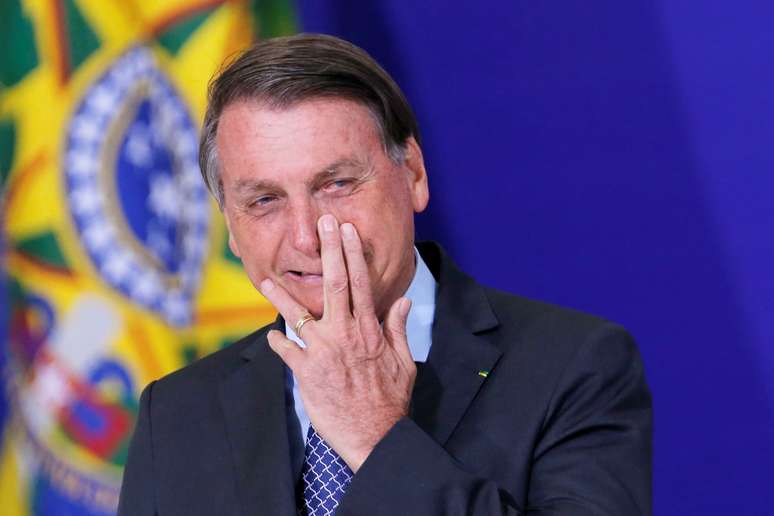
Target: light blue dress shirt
(419, 329)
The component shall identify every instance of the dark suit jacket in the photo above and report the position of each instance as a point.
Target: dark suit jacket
(521, 407)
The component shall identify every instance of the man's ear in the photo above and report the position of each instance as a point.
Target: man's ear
(415, 165)
(233, 245)
(231, 240)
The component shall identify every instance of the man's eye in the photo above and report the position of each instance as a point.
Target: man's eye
(338, 185)
(264, 200)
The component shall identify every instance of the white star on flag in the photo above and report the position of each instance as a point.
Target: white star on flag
(164, 199)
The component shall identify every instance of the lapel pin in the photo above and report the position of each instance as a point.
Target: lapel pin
(483, 374)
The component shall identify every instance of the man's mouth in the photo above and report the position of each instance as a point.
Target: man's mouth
(303, 277)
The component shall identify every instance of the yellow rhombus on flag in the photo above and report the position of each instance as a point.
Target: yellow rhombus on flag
(118, 269)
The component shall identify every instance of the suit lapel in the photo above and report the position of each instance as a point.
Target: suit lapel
(253, 401)
(460, 357)
(253, 395)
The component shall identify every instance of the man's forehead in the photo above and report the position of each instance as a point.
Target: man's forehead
(329, 108)
(328, 123)
(317, 137)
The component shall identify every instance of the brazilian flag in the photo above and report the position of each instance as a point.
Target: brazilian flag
(116, 264)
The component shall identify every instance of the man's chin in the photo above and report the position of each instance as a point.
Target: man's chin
(315, 310)
(310, 298)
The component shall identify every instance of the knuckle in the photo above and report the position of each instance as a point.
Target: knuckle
(360, 280)
(361, 312)
(345, 337)
(398, 329)
(337, 284)
(346, 333)
(368, 323)
(329, 241)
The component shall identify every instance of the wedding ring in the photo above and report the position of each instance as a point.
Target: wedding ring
(301, 322)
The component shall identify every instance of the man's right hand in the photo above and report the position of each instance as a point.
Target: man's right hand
(355, 377)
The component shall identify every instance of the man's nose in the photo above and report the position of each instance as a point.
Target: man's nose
(303, 230)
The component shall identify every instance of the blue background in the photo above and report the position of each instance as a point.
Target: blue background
(613, 156)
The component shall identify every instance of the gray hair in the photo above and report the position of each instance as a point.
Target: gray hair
(282, 72)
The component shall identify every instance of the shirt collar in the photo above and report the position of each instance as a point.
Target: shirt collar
(419, 324)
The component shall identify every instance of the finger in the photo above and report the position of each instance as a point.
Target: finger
(395, 328)
(359, 279)
(288, 351)
(288, 307)
(335, 280)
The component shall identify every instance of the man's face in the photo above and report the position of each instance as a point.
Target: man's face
(283, 169)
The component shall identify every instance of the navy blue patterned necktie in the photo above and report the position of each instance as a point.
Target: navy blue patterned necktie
(325, 476)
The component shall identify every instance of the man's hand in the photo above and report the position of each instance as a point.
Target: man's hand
(355, 377)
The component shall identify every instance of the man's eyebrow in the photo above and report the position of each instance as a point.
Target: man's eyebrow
(246, 186)
(337, 167)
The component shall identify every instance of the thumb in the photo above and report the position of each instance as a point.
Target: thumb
(395, 327)
(290, 352)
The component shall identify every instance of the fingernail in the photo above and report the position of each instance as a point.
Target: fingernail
(348, 230)
(327, 222)
(267, 285)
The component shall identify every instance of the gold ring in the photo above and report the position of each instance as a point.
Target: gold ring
(301, 322)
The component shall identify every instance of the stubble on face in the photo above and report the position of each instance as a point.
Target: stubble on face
(339, 141)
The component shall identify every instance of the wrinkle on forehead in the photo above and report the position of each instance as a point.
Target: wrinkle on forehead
(259, 147)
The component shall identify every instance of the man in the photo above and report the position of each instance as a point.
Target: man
(313, 155)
